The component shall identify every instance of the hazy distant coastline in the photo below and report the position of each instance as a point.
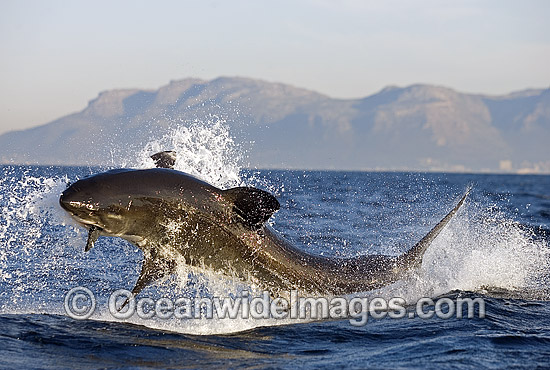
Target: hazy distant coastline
(419, 127)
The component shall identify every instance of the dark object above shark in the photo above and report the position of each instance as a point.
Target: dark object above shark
(166, 159)
(172, 217)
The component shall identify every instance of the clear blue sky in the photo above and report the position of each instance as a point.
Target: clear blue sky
(57, 55)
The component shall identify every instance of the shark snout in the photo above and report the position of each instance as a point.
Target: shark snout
(65, 199)
(69, 199)
(76, 201)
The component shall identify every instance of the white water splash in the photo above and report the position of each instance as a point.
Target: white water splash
(30, 246)
(205, 150)
(26, 205)
(478, 250)
(484, 249)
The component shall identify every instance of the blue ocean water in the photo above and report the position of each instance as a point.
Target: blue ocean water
(496, 248)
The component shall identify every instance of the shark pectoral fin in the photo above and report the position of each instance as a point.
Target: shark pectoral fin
(253, 206)
(93, 234)
(166, 159)
(153, 269)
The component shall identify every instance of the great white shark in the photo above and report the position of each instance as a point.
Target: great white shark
(172, 216)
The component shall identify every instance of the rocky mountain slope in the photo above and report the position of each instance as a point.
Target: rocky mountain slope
(420, 127)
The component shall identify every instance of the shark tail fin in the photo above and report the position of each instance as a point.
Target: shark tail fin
(413, 258)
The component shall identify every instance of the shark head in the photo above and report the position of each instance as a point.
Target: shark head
(104, 201)
(96, 202)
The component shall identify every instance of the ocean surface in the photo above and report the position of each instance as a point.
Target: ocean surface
(497, 248)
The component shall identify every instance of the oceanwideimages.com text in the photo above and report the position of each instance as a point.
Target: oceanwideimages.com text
(80, 303)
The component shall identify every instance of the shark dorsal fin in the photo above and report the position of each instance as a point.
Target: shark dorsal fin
(166, 159)
(253, 206)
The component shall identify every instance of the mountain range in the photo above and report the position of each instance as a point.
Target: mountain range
(419, 127)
